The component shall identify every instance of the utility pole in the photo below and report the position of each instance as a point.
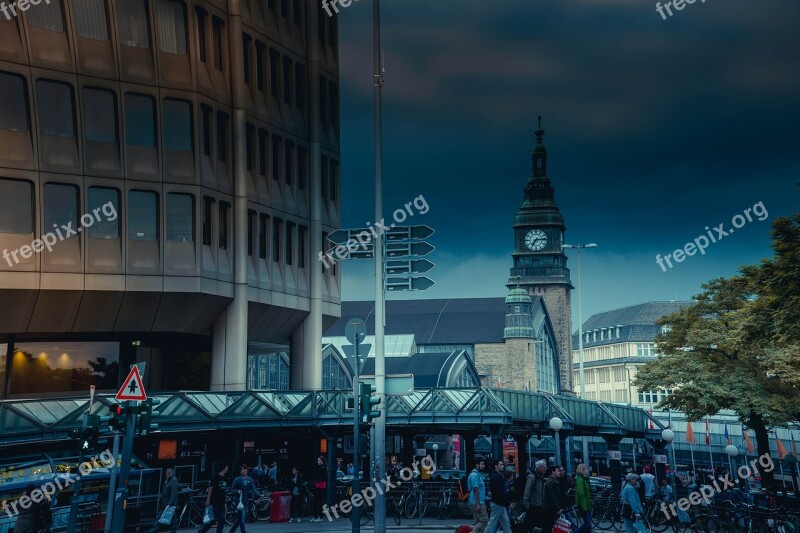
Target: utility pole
(121, 496)
(355, 515)
(380, 363)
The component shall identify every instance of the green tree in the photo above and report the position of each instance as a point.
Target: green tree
(736, 347)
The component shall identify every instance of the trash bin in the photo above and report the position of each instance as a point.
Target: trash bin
(281, 508)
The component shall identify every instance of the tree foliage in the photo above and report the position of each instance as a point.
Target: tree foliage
(738, 346)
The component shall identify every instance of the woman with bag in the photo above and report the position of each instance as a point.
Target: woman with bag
(632, 509)
(215, 502)
(583, 497)
(320, 486)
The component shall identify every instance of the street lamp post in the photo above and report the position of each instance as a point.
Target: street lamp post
(668, 436)
(556, 424)
(582, 375)
(435, 449)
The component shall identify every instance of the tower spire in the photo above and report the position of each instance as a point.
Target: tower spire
(539, 156)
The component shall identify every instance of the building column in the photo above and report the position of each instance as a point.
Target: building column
(522, 452)
(498, 432)
(229, 342)
(306, 342)
(468, 447)
(616, 470)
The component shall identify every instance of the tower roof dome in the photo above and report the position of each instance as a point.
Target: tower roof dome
(518, 295)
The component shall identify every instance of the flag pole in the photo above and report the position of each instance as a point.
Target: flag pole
(694, 470)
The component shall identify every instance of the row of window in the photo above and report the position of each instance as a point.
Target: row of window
(91, 22)
(654, 396)
(61, 207)
(57, 118)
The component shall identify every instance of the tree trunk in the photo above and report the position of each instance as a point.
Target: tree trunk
(762, 447)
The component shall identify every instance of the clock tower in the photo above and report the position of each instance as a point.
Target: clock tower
(540, 265)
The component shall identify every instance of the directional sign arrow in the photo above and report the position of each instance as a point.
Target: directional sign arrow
(421, 283)
(407, 266)
(396, 250)
(341, 236)
(401, 233)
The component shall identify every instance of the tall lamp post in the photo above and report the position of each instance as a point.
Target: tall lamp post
(668, 436)
(580, 247)
(556, 424)
(435, 449)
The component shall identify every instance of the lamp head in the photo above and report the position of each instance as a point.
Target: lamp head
(556, 423)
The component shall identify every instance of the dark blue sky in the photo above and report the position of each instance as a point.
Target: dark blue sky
(655, 129)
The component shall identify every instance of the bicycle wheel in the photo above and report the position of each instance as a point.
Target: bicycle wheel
(411, 505)
(366, 515)
(444, 509)
(657, 520)
(261, 509)
(424, 509)
(196, 513)
(396, 511)
(231, 513)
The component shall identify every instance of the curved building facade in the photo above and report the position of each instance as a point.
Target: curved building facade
(168, 172)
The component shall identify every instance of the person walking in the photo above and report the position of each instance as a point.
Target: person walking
(216, 499)
(247, 488)
(497, 488)
(320, 487)
(33, 515)
(552, 498)
(296, 486)
(168, 497)
(632, 509)
(533, 497)
(649, 481)
(583, 497)
(477, 497)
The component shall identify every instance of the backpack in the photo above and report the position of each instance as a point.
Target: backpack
(463, 490)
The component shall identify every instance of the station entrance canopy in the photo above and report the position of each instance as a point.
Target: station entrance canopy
(451, 410)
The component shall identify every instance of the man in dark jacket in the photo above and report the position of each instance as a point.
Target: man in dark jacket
(168, 496)
(533, 498)
(497, 486)
(552, 498)
(247, 488)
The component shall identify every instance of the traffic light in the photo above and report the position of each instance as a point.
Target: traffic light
(368, 413)
(146, 411)
(117, 421)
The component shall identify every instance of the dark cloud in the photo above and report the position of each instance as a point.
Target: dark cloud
(655, 128)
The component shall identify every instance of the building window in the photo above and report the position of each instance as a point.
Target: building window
(260, 49)
(140, 120)
(276, 239)
(208, 207)
(202, 19)
(323, 100)
(296, 12)
(251, 222)
(321, 22)
(47, 16)
(334, 376)
(644, 349)
(289, 162)
(171, 27)
(302, 167)
(224, 213)
(205, 123)
(300, 86)
(285, 8)
(276, 160)
(177, 125)
(263, 225)
(287, 80)
(219, 28)
(289, 242)
(333, 90)
(91, 19)
(250, 134)
(142, 216)
(100, 115)
(104, 200)
(180, 218)
(274, 58)
(334, 179)
(222, 136)
(56, 110)
(132, 20)
(60, 206)
(666, 329)
(16, 207)
(324, 171)
(14, 103)
(263, 146)
(301, 246)
(268, 371)
(247, 42)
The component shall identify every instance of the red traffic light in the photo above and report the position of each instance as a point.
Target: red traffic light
(117, 410)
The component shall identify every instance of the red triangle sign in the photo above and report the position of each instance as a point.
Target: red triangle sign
(132, 388)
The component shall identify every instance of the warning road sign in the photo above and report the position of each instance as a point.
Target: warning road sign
(132, 388)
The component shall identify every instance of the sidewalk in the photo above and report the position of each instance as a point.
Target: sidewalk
(343, 524)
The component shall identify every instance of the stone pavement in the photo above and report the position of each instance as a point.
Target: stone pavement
(428, 524)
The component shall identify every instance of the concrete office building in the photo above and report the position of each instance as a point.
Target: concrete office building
(192, 146)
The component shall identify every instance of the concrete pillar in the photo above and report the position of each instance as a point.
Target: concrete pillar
(306, 351)
(616, 469)
(497, 443)
(229, 346)
(468, 446)
(330, 492)
(522, 452)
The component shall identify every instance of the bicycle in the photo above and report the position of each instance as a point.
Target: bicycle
(256, 509)
(193, 509)
(449, 504)
(414, 498)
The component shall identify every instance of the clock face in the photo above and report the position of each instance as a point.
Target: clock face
(536, 240)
